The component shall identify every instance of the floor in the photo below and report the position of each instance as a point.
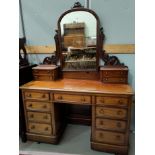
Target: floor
(75, 141)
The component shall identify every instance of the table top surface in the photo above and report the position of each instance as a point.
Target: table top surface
(74, 85)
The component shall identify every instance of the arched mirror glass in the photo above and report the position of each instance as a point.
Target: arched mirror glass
(78, 40)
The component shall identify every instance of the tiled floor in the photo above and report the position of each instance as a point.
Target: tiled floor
(75, 141)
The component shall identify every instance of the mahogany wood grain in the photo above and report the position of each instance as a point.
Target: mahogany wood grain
(74, 85)
(38, 106)
(111, 113)
(40, 128)
(43, 96)
(113, 125)
(109, 137)
(39, 117)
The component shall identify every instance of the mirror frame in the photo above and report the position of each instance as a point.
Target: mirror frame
(76, 9)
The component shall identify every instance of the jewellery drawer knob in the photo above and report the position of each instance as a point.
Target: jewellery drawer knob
(45, 117)
(32, 127)
(119, 125)
(46, 129)
(60, 97)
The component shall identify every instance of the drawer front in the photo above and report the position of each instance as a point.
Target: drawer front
(43, 77)
(37, 71)
(39, 117)
(108, 124)
(40, 128)
(72, 98)
(38, 106)
(43, 96)
(114, 73)
(116, 101)
(109, 137)
(111, 112)
(114, 80)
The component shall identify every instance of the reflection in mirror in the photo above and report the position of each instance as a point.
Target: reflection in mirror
(78, 32)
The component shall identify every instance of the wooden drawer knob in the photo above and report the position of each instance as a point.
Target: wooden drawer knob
(101, 122)
(119, 125)
(32, 127)
(43, 96)
(48, 71)
(101, 111)
(45, 106)
(60, 97)
(106, 79)
(46, 129)
(29, 95)
(118, 137)
(102, 100)
(101, 134)
(120, 102)
(83, 100)
(30, 105)
(119, 112)
(31, 116)
(106, 73)
(45, 117)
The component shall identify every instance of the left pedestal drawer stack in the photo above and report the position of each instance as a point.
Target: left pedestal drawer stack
(40, 118)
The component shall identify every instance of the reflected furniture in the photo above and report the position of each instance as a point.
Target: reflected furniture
(80, 81)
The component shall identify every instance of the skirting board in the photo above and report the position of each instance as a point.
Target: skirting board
(109, 48)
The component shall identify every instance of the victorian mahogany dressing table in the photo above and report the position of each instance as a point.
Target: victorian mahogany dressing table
(80, 80)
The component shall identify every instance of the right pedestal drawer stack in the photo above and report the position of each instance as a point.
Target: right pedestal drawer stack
(111, 123)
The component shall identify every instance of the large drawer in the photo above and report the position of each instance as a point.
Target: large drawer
(39, 117)
(111, 112)
(114, 101)
(72, 98)
(43, 96)
(38, 106)
(109, 137)
(40, 128)
(108, 124)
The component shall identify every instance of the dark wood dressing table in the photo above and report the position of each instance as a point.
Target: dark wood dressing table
(111, 108)
(80, 80)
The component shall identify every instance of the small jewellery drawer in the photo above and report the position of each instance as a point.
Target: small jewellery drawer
(115, 73)
(111, 112)
(115, 101)
(108, 124)
(109, 137)
(39, 117)
(37, 71)
(38, 106)
(39, 128)
(72, 98)
(114, 80)
(43, 77)
(43, 96)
